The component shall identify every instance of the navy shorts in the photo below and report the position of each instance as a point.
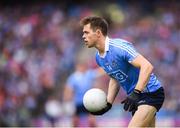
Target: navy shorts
(155, 99)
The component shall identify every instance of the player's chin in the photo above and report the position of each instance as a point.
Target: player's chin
(89, 46)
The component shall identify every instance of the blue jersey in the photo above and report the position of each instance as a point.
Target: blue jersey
(116, 62)
(80, 83)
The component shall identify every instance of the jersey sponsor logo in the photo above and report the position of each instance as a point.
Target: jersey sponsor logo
(112, 66)
(119, 75)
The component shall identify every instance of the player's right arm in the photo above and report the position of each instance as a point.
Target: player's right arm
(113, 90)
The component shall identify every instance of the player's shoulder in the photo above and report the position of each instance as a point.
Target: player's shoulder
(119, 42)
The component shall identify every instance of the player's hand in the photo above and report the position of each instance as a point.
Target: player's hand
(104, 110)
(130, 103)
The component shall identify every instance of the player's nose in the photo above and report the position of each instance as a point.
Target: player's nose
(83, 36)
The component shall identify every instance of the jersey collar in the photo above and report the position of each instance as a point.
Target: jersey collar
(107, 44)
(106, 47)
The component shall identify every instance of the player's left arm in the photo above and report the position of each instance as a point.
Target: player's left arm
(130, 103)
(146, 69)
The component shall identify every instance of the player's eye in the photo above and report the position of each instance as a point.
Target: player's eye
(85, 32)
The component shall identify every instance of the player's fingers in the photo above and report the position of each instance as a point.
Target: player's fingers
(131, 107)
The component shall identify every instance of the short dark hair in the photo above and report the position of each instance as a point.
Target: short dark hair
(96, 23)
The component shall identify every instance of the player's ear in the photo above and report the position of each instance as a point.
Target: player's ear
(98, 32)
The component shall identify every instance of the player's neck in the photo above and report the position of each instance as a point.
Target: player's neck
(101, 46)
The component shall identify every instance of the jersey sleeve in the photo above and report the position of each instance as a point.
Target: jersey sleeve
(129, 52)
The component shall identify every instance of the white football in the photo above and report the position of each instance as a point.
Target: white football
(94, 100)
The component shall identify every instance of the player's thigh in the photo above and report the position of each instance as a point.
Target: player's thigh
(153, 122)
(143, 116)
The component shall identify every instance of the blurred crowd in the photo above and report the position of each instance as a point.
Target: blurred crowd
(39, 44)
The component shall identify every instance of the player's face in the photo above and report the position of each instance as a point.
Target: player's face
(89, 36)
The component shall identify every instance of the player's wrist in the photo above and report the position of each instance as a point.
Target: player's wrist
(104, 110)
(135, 95)
(137, 91)
(109, 105)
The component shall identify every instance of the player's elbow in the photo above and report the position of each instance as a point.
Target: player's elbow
(149, 68)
